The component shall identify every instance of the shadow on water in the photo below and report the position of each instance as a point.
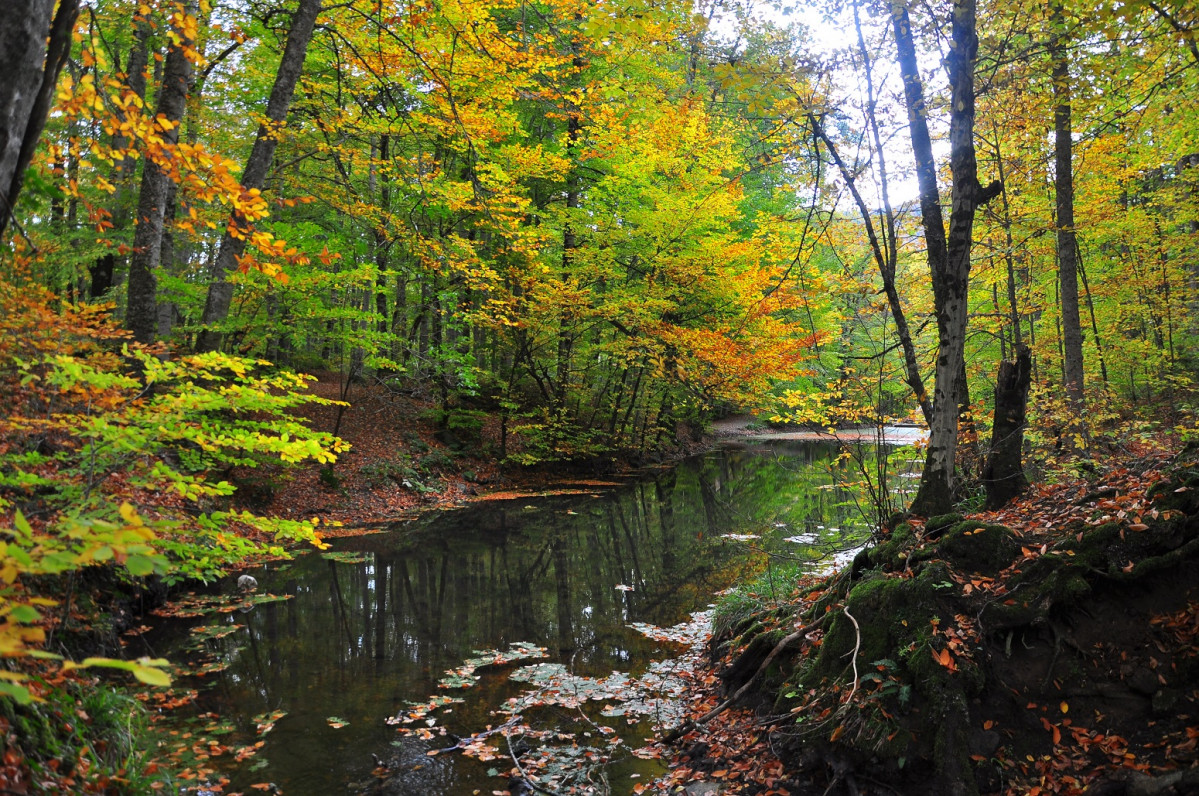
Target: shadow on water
(370, 626)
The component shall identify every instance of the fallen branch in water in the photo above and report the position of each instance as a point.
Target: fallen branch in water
(468, 740)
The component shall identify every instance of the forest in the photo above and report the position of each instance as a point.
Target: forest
(565, 235)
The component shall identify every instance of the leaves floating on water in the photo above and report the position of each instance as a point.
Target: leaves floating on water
(464, 676)
(193, 605)
(336, 723)
(566, 760)
(265, 722)
(204, 633)
(347, 557)
(420, 710)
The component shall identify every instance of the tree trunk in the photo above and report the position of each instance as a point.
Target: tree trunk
(34, 44)
(220, 291)
(141, 312)
(381, 242)
(1003, 477)
(948, 256)
(1063, 182)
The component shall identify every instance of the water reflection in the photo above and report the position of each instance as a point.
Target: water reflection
(374, 627)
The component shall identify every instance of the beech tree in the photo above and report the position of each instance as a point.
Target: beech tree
(141, 313)
(1063, 184)
(35, 38)
(948, 252)
(233, 243)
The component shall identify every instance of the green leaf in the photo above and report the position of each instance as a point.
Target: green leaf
(139, 566)
(26, 614)
(151, 676)
(18, 693)
(23, 526)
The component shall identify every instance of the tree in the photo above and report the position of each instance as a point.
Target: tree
(35, 40)
(233, 243)
(141, 311)
(948, 253)
(1063, 183)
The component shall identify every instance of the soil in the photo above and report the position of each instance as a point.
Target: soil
(399, 464)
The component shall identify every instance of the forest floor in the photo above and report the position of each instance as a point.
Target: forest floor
(397, 466)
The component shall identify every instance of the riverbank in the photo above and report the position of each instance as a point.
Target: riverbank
(399, 465)
(1052, 647)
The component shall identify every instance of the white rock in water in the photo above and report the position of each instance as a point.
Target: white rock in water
(247, 583)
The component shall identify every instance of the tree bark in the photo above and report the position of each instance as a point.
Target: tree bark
(233, 243)
(1003, 476)
(34, 43)
(948, 255)
(141, 312)
(1063, 183)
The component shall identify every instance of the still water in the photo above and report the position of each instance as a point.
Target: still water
(370, 626)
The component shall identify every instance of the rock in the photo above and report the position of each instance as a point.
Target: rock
(1165, 701)
(1144, 682)
(702, 789)
(247, 583)
(984, 743)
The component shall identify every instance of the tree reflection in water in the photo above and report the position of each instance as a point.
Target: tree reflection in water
(361, 638)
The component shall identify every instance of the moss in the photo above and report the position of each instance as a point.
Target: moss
(978, 547)
(1180, 493)
(1096, 545)
(941, 522)
(888, 554)
(1049, 583)
(889, 612)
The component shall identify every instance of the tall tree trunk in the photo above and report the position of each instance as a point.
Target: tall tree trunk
(1063, 182)
(569, 244)
(948, 255)
(141, 312)
(220, 290)
(34, 43)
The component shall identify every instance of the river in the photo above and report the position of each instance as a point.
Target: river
(303, 686)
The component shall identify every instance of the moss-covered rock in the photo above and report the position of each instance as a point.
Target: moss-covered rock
(977, 547)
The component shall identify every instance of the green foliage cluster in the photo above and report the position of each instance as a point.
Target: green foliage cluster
(113, 455)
